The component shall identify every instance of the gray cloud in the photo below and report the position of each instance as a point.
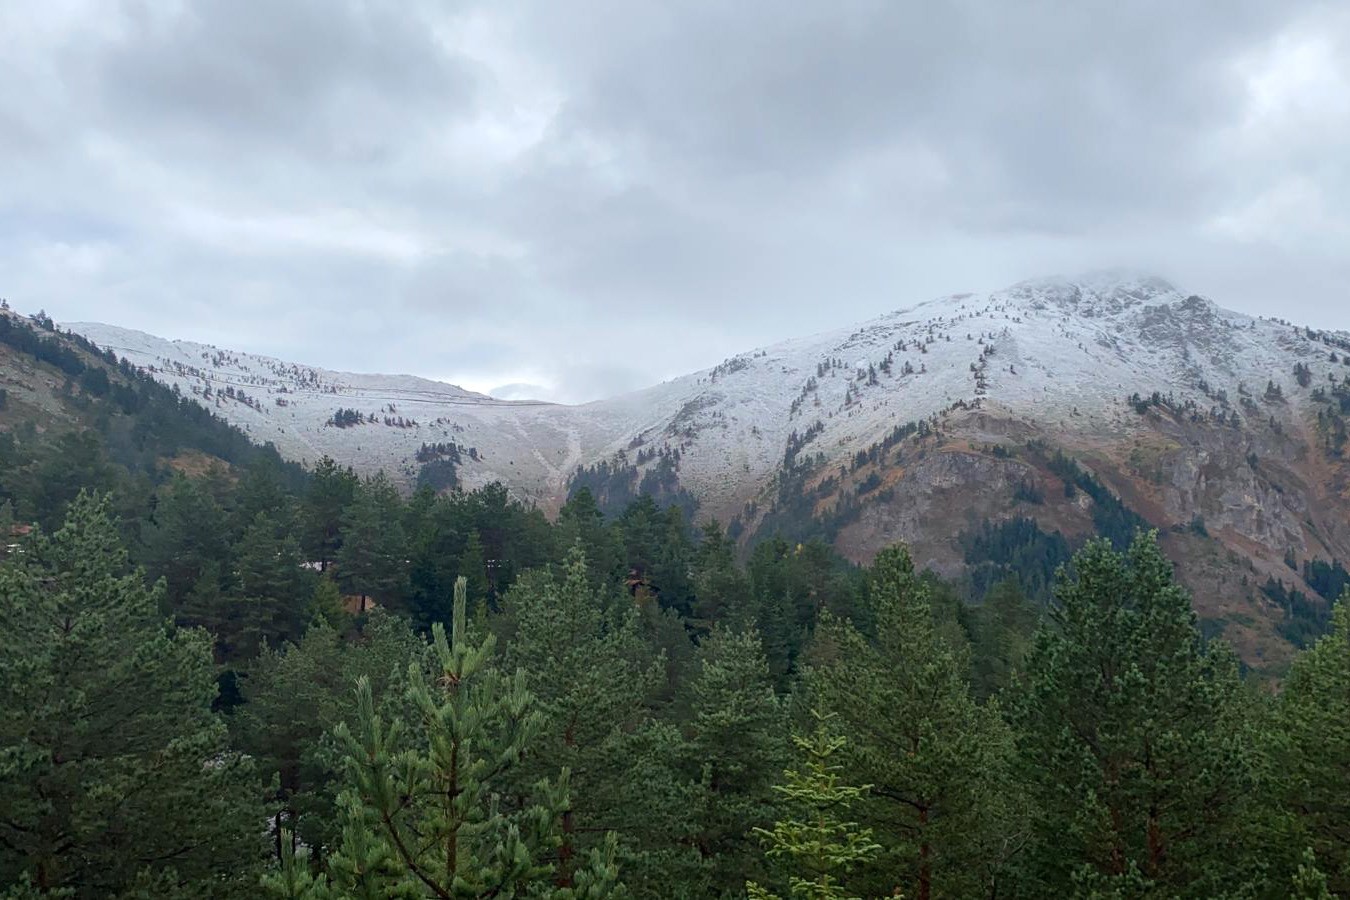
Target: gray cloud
(578, 199)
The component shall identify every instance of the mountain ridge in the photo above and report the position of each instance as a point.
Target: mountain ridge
(919, 424)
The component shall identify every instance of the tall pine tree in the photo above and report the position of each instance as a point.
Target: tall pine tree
(1314, 725)
(1134, 740)
(590, 671)
(370, 563)
(113, 769)
(938, 763)
(426, 811)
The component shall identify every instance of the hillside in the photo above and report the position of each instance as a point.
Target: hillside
(1081, 405)
(72, 415)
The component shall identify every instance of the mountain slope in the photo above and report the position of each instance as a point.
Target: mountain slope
(919, 425)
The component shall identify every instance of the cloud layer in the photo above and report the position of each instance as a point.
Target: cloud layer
(579, 199)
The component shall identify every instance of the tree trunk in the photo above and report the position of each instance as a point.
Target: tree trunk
(567, 850)
(925, 858)
(1157, 848)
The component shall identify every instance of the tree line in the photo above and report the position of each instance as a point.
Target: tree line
(241, 689)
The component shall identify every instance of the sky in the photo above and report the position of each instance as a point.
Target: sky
(572, 200)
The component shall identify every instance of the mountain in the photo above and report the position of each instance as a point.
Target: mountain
(73, 416)
(985, 430)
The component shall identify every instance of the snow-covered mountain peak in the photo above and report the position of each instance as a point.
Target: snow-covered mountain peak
(1060, 353)
(1095, 294)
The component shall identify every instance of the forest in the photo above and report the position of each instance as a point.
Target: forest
(253, 680)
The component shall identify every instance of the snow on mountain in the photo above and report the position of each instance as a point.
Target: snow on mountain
(1061, 353)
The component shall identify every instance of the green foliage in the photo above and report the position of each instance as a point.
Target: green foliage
(424, 808)
(1314, 724)
(369, 562)
(1133, 733)
(294, 879)
(936, 761)
(1000, 629)
(112, 765)
(590, 675)
(331, 490)
(295, 693)
(818, 847)
(737, 742)
(1016, 548)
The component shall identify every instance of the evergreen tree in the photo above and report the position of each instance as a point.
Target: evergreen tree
(7, 524)
(331, 490)
(1134, 739)
(274, 587)
(591, 675)
(293, 879)
(112, 766)
(1003, 625)
(818, 848)
(1314, 762)
(738, 741)
(370, 562)
(581, 523)
(473, 567)
(74, 462)
(721, 589)
(938, 763)
(184, 536)
(262, 490)
(295, 693)
(425, 811)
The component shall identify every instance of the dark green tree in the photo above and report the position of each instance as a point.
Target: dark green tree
(738, 741)
(331, 490)
(581, 523)
(591, 675)
(75, 461)
(185, 534)
(938, 763)
(370, 562)
(1314, 759)
(1135, 740)
(295, 693)
(425, 810)
(114, 771)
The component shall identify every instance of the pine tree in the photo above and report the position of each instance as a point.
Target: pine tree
(331, 490)
(473, 566)
(262, 489)
(112, 765)
(185, 535)
(1134, 739)
(1003, 626)
(938, 763)
(1314, 724)
(591, 674)
(738, 742)
(295, 693)
(293, 879)
(370, 562)
(425, 809)
(818, 848)
(273, 586)
(721, 590)
(581, 523)
(6, 526)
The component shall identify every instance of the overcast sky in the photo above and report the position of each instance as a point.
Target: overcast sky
(587, 197)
